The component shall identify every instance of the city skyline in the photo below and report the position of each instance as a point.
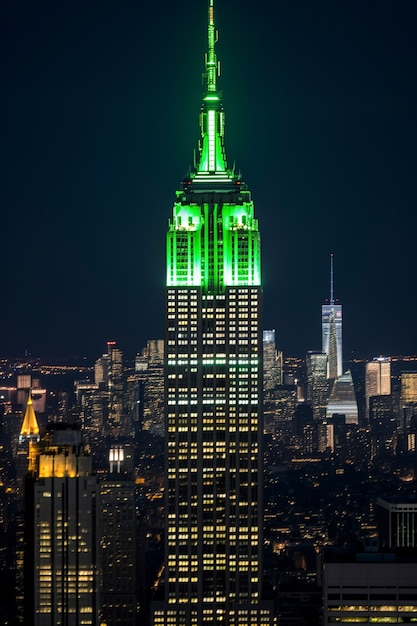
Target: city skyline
(92, 115)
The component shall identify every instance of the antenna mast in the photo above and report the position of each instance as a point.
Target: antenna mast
(211, 60)
(331, 279)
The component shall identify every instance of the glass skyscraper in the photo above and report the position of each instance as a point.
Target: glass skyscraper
(377, 379)
(317, 386)
(213, 389)
(331, 325)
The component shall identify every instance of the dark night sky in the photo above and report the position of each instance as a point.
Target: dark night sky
(99, 113)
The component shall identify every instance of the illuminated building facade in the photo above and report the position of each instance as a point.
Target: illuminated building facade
(29, 433)
(408, 388)
(331, 327)
(151, 364)
(369, 588)
(342, 399)
(30, 428)
(102, 403)
(272, 362)
(115, 385)
(272, 381)
(377, 379)
(213, 369)
(62, 532)
(316, 366)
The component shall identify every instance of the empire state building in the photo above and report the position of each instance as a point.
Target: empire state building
(213, 389)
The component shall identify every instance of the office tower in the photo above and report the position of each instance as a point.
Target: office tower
(369, 587)
(285, 402)
(325, 436)
(317, 385)
(38, 396)
(272, 362)
(384, 429)
(118, 543)
(342, 399)
(134, 400)
(101, 370)
(109, 376)
(62, 532)
(377, 379)
(213, 362)
(397, 522)
(86, 396)
(150, 363)
(115, 386)
(272, 379)
(331, 328)
(23, 384)
(408, 405)
(383, 425)
(408, 388)
(381, 411)
(149, 374)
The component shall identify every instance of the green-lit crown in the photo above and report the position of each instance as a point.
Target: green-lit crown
(213, 240)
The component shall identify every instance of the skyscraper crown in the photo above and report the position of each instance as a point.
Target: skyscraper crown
(30, 427)
(211, 166)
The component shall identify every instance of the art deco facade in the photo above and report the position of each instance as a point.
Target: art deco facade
(62, 533)
(213, 389)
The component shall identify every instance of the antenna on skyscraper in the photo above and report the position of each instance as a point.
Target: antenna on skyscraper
(331, 279)
(212, 68)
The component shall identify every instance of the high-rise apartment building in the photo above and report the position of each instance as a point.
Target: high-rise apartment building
(213, 364)
(62, 532)
(331, 327)
(377, 379)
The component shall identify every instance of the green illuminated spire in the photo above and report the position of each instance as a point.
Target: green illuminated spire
(213, 239)
(212, 158)
(211, 59)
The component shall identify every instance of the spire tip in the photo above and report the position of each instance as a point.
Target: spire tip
(331, 279)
